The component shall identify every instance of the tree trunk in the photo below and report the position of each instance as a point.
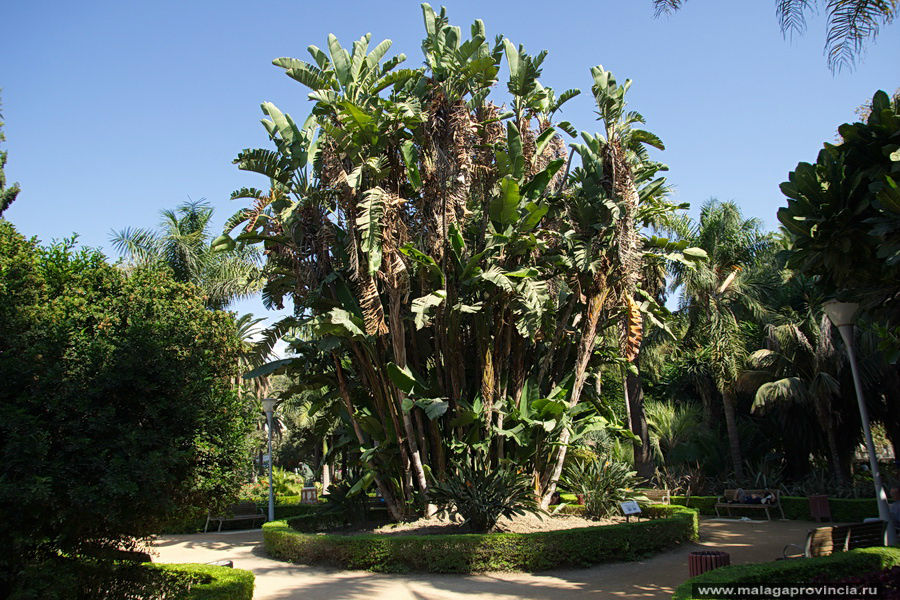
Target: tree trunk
(734, 442)
(386, 493)
(643, 459)
(585, 350)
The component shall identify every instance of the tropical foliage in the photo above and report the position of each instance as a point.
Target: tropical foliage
(182, 244)
(481, 496)
(461, 278)
(603, 484)
(843, 214)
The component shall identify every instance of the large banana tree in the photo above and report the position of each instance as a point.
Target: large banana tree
(438, 250)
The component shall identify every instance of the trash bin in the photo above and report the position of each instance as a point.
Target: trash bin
(707, 560)
(819, 509)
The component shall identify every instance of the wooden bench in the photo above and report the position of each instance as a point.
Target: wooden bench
(655, 496)
(824, 541)
(241, 511)
(731, 499)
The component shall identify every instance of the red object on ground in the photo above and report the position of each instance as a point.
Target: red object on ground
(707, 560)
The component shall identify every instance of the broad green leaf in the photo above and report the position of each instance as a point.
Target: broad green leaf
(404, 379)
(421, 307)
(337, 322)
(411, 158)
(695, 254)
(223, 243)
(514, 149)
(503, 209)
(369, 224)
(341, 60)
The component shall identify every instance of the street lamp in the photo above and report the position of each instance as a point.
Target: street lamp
(843, 315)
(268, 405)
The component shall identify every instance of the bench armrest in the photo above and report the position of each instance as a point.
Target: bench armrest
(799, 554)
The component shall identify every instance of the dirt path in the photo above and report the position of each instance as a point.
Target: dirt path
(656, 577)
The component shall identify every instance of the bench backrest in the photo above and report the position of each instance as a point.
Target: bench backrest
(243, 508)
(731, 495)
(824, 541)
(654, 495)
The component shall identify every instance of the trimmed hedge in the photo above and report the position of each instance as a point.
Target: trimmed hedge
(474, 553)
(63, 578)
(799, 571)
(219, 583)
(843, 510)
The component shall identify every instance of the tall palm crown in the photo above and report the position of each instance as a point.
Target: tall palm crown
(716, 296)
(182, 243)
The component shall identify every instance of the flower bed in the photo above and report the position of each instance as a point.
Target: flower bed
(474, 553)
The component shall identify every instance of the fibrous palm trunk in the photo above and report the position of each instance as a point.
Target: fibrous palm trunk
(734, 442)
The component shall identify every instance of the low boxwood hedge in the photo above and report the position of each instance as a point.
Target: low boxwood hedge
(843, 510)
(798, 571)
(474, 553)
(63, 578)
(219, 583)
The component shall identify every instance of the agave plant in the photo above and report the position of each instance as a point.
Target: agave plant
(604, 484)
(481, 496)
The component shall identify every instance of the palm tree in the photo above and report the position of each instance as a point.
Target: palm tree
(799, 365)
(851, 23)
(718, 298)
(183, 244)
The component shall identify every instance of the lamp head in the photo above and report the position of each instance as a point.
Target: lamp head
(841, 313)
(268, 404)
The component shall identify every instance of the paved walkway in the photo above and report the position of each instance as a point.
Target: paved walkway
(656, 577)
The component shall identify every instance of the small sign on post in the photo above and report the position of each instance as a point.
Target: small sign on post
(309, 495)
(630, 507)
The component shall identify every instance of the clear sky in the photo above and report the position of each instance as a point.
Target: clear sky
(116, 110)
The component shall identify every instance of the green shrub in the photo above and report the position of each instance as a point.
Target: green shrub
(843, 510)
(604, 483)
(483, 495)
(473, 553)
(216, 583)
(62, 578)
(836, 566)
(117, 409)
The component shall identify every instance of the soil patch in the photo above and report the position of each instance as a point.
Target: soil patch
(443, 525)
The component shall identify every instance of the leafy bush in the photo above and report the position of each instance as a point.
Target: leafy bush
(85, 579)
(843, 564)
(475, 553)
(482, 496)
(116, 408)
(887, 581)
(604, 484)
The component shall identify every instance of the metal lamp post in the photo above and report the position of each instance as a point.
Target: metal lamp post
(843, 315)
(269, 408)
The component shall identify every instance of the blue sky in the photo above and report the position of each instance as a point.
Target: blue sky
(116, 110)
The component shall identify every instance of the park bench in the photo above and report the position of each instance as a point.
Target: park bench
(241, 511)
(824, 541)
(656, 496)
(735, 499)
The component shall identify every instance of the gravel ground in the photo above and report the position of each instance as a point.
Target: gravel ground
(528, 523)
